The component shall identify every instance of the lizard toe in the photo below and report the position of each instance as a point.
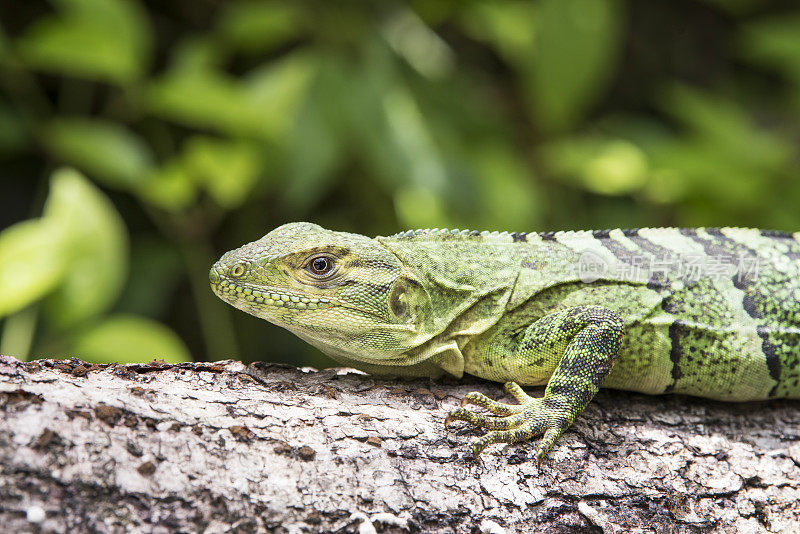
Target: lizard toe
(513, 389)
(495, 407)
(523, 432)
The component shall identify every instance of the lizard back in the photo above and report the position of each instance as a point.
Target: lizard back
(713, 312)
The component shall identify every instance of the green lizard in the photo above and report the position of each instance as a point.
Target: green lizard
(707, 312)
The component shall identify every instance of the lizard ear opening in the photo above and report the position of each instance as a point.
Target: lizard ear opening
(409, 301)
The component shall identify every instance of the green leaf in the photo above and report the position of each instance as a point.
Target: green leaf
(724, 126)
(320, 133)
(226, 169)
(131, 339)
(33, 260)
(510, 26)
(170, 187)
(721, 155)
(200, 98)
(260, 105)
(602, 165)
(775, 42)
(105, 40)
(418, 44)
(577, 49)
(312, 161)
(412, 138)
(509, 193)
(197, 53)
(275, 91)
(257, 27)
(103, 149)
(97, 247)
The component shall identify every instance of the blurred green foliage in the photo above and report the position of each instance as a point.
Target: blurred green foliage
(140, 140)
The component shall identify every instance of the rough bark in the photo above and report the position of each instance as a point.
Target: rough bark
(227, 448)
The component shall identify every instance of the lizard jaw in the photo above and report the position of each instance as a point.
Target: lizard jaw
(232, 293)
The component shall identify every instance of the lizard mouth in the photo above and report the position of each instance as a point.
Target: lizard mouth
(233, 292)
(258, 299)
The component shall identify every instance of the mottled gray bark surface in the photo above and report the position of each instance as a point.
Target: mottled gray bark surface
(210, 448)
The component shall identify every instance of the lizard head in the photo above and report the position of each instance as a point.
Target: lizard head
(344, 293)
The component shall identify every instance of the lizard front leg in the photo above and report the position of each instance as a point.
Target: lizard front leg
(579, 345)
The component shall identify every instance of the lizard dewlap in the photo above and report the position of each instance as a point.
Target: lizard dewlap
(711, 312)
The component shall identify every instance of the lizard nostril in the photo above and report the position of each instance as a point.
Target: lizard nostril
(213, 276)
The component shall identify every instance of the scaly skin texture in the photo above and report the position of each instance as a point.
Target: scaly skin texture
(706, 312)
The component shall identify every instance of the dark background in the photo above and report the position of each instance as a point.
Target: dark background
(141, 140)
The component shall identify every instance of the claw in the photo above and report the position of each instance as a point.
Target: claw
(497, 408)
(478, 446)
(448, 420)
(518, 422)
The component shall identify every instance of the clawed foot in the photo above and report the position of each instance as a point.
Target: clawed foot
(513, 422)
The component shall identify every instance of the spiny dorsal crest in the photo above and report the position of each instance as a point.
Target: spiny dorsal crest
(552, 236)
(454, 232)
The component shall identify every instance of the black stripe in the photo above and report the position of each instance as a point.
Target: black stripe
(648, 246)
(615, 247)
(773, 359)
(658, 279)
(787, 240)
(548, 236)
(723, 246)
(777, 233)
(676, 333)
(720, 245)
(734, 247)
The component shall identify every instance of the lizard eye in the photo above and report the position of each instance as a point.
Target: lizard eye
(238, 270)
(320, 265)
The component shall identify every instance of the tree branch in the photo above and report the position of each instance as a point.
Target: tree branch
(223, 447)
